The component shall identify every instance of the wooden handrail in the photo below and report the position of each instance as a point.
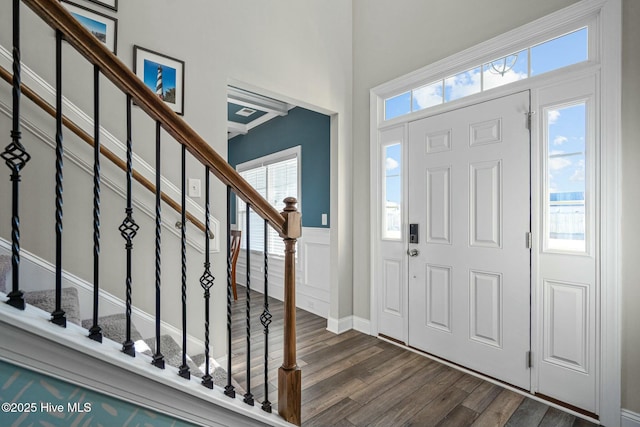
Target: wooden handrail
(58, 18)
(110, 155)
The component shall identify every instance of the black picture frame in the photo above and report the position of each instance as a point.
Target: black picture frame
(103, 27)
(162, 74)
(109, 4)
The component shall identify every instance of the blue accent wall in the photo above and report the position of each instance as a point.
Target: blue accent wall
(52, 402)
(302, 127)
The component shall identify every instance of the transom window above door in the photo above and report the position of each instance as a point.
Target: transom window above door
(568, 49)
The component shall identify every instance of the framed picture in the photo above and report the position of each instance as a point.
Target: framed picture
(111, 4)
(162, 74)
(103, 27)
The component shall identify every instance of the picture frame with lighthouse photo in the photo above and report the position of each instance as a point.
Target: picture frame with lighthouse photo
(162, 74)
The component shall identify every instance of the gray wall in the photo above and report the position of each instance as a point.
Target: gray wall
(630, 227)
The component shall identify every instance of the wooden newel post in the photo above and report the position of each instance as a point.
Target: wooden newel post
(289, 374)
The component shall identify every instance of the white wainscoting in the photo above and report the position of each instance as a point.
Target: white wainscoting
(312, 272)
(629, 419)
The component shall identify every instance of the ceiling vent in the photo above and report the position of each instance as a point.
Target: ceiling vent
(245, 112)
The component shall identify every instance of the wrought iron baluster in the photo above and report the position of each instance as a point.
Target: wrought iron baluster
(265, 319)
(58, 315)
(95, 333)
(229, 390)
(248, 397)
(16, 157)
(206, 281)
(158, 358)
(128, 230)
(184, 369)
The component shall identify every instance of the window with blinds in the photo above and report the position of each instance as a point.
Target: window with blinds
(275, 177)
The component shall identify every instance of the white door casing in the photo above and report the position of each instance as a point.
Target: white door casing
(469, 192)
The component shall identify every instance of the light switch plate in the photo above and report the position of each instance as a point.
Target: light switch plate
(194, 188)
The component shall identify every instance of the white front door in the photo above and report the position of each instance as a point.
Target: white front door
(469, 273)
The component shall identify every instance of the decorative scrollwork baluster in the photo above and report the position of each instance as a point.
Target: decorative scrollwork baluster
(58, 316)
(95, 333)
(265, 319)
(206, 281)
(248, 396)
(16, 157)
(158, 358)
(184, 369)
(128, 230)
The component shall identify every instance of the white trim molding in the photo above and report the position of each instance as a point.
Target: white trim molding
(312, 271)
(629, 419)
(340, 326)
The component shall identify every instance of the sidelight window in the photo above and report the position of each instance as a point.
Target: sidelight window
(567, 191)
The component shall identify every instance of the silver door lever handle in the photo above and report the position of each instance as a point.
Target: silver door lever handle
(413, 252)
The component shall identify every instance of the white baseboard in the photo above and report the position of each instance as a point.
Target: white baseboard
(629, 419)
(362, 325)
(339, 326)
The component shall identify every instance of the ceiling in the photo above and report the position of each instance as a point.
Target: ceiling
(246, 110)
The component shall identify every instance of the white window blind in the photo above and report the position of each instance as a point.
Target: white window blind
(275, 178)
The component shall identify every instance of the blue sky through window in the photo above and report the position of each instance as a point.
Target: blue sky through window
(561, 52)
(569, 49)
(566, 149)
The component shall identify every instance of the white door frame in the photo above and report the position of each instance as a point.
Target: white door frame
(607, 14)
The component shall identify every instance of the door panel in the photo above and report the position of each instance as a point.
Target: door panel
(469, 284)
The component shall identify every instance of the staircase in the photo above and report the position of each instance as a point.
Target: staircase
(43, 330)
(40, 357)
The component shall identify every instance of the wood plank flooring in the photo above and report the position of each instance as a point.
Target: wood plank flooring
(355, 379)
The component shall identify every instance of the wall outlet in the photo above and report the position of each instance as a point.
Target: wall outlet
(194, 188)
(324, 219)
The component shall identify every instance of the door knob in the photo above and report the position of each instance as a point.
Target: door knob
(412, 252)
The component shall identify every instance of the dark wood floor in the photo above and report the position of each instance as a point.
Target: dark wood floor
(355, 379)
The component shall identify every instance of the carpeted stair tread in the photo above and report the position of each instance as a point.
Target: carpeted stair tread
(46, 300)
(5, 267)
(114, 327)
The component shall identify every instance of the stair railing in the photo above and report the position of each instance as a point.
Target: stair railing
(287, 223)
(108, 154)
